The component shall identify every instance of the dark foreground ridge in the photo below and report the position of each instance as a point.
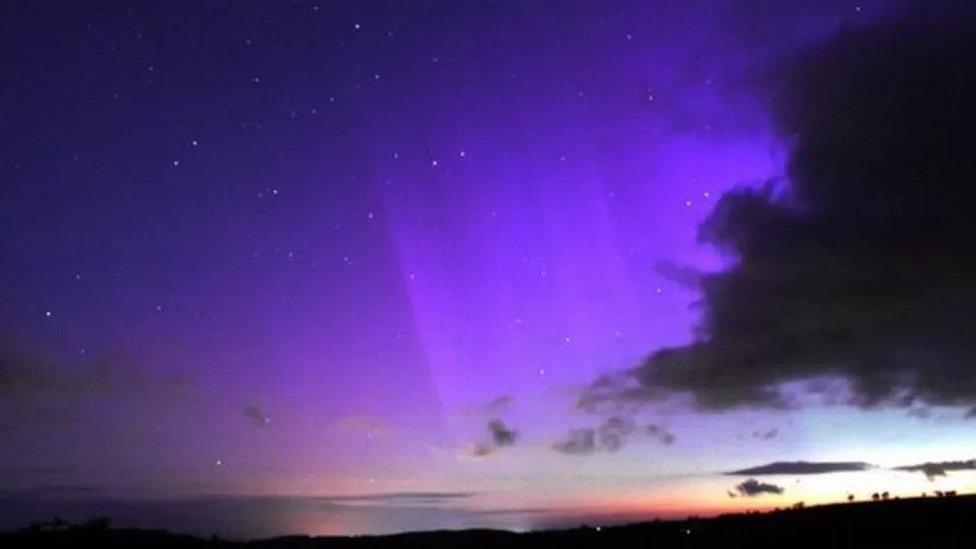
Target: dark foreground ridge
(919, 522)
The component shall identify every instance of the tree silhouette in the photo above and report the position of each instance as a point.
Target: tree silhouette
(98, 523)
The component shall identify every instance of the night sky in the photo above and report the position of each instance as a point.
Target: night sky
(345, 267)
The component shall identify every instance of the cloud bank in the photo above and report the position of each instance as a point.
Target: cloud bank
(861, 264)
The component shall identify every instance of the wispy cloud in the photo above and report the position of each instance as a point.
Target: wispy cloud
(610, 436)
(765, 434)
(501, 435)
(499, 404)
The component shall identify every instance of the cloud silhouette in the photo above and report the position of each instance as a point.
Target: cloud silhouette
(501, 437)
(613, 433)
(939, 469)
(919, 412)
(767, 434)
(257, 415)
(500, 434)
(860, 265)
(660, 433)
(753, 487)
(579, 442)
(803, 468)
(610, 436)
(37, 392)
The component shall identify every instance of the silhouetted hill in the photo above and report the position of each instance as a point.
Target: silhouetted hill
(921, 522)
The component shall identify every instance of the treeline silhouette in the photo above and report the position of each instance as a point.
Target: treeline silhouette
(943, 522)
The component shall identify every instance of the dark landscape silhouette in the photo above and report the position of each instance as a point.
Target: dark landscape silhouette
(941, 521)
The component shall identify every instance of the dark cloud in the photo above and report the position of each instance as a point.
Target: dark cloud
(501, 437)
(610, 436)
(617, 392)
(767, 434)
(971, 413)
(23, 375)
(753, 487)
(660, 433)
(499, 404)
(939, 469)
(682, 274)
(500, 434)
(579, 442)
(861, 264)
(257, 415)
(803, 468)
(613, 433)
(919, 412)
(38, 393)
